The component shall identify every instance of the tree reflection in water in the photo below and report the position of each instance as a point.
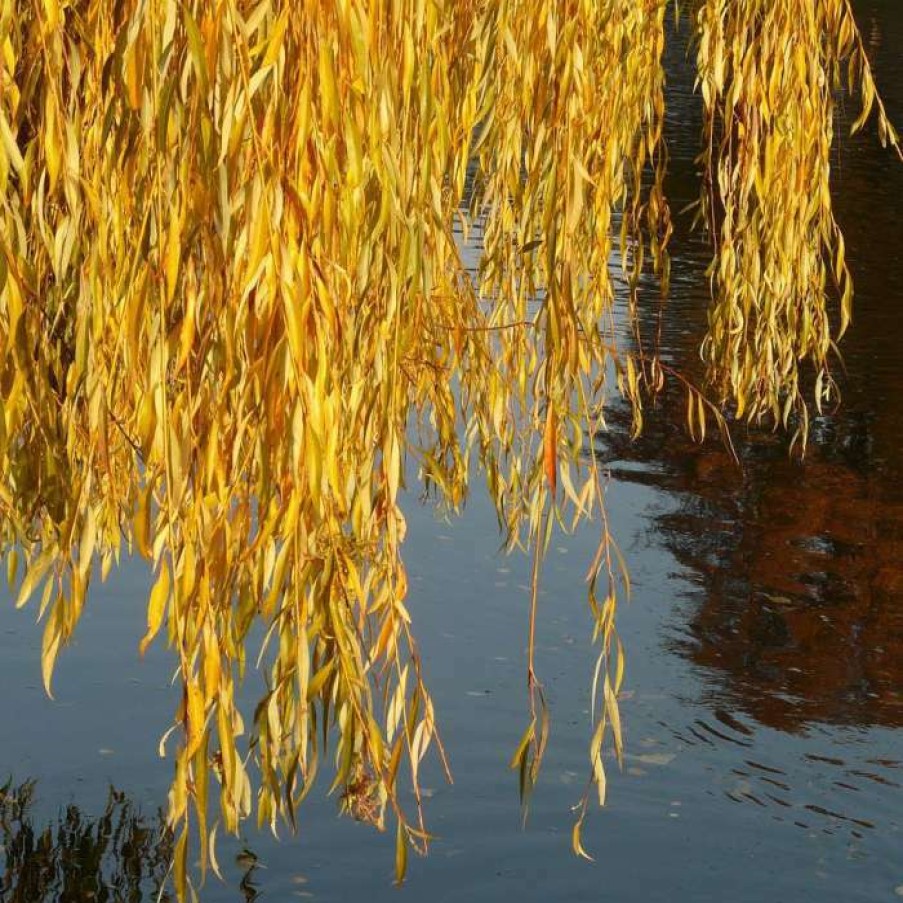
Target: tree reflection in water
(121, 856)
(795, 570)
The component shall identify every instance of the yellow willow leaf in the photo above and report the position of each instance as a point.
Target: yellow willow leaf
(201, 765)
(257, 80)
(523, 746)
(550, 450)
(575, 208)
(319, 679)
(9, 144)
(36, 572)
(52, 152)
(401, 853)
(211, 852)
(187, 571)
(293, 324)
(147, 421)
(132, 77)
(87, 543)
(177, 475)
(156, 607)
(52, 11)
(333, 473)
(408, 61)
(50, 647)
(392, 465)
(196, 46)
(188, 330)
(577, 841)
(611, 709)
(328, 81)
(141, 523)
(12, 567)
(598, 768)
(276, 38)
(194, 713)
(180, 865)
(212, 670)
(259, 246)
(172, 256)
(619, 674)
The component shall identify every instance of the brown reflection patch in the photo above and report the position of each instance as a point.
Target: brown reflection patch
(797, 570)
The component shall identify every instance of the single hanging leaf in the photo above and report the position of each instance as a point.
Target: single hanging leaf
(196, 47)
(523, 746)
(9, 144)
(52, 151)
(12, 567)
(194, 700)
(577, 841)
(401, 853)
(180, 865)
(173, 254)
(50, 647)
(550, 450)
(36, 572)
(156, 607)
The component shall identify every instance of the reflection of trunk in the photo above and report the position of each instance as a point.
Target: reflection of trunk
(795, 570)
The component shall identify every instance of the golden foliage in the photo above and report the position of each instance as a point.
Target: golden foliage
(769, 74)
(234, 315)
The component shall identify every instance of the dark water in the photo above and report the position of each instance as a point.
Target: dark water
(764, 703)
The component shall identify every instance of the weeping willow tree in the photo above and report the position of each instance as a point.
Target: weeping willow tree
(235, 319)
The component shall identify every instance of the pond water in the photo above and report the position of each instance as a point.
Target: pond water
(764, 690)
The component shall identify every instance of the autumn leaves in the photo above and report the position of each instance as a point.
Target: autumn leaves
(235, 321)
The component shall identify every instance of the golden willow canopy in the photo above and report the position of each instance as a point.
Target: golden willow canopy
(234, 315)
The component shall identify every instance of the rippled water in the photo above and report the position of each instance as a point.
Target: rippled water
(763, 712)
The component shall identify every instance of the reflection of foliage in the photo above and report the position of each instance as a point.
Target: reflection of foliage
(234, 306)
(119, 856)
(248, 885)
(794, 568)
